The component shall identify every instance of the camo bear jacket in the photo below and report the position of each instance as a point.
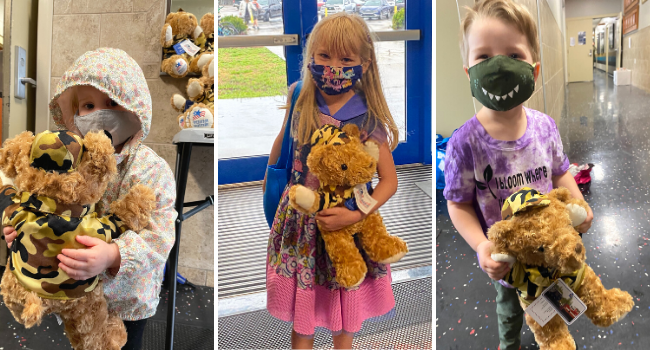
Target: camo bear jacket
(44, 228)
(531, 281)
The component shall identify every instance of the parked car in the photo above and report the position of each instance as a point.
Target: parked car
(376, 9)
(320, 4)
(269, 9)
(358, 4)
(336, 6)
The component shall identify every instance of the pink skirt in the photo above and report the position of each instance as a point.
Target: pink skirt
(301, 281)
(338, 310)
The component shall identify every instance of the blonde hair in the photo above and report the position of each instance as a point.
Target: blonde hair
(342, 34)
(507, 11)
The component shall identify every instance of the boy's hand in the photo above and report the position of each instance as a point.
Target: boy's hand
(82, 264)
(585, 226)
(10, 235)
(495, 269)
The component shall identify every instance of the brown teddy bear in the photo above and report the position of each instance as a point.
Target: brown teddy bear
(198, 110)
(340, 162)
(538, 237)
(179, 26)
(206, 52)
(62, 176)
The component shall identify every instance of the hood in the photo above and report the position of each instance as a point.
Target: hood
(115, 73)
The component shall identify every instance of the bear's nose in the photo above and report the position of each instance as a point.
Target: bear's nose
(579, 248)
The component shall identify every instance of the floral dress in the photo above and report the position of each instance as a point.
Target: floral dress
(301, 281)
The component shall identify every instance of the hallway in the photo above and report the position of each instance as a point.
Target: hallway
(601, 124)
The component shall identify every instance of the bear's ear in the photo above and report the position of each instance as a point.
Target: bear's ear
(372, 148)
(501, 234)
(351, 130)
(13, 150)
(562, 194)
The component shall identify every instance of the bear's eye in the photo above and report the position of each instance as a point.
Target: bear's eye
(344, 167)
(541, 249)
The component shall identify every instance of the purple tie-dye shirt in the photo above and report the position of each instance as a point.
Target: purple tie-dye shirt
(485, 171)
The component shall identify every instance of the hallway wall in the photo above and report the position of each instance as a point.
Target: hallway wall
(636, 50)
(134, 26)
(586, 8)
(452, 94)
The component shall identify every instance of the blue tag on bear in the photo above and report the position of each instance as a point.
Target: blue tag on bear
(179, 49)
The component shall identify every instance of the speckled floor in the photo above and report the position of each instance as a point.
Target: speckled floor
(602, 124)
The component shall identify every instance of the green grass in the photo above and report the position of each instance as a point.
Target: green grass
(251, 72)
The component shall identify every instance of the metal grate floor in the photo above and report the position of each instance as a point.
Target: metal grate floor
(242, 230)
(410, 328)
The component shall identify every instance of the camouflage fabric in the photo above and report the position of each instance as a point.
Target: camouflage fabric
(531, 281)
(59, 151)
(523, 200)
(44, 228)
(207, 97)
(328, 134)
(331, 196)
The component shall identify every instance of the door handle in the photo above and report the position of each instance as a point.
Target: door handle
(26, 81)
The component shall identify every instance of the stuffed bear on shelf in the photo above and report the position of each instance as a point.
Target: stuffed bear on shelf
(198, 109)
(179, 28)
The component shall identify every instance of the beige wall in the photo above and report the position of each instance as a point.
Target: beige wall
(452, 88)
(637, 57)
(636, 50)
(134, 26)
(595, 8)
(454, 104)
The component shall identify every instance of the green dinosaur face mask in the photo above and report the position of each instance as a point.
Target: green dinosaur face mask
(501, 83)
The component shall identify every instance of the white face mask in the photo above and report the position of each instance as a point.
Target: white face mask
(120, 124)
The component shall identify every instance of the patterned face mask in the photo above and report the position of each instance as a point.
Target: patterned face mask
(335, 80)
(502, 83)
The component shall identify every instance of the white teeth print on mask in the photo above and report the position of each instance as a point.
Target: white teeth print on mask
(511, 94)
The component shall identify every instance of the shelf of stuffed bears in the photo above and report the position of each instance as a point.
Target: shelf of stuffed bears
(188, 51)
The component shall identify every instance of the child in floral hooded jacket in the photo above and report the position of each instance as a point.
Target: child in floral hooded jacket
(106, 89)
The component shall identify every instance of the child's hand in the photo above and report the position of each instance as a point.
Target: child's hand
(495, 269)
(10, 235)
(337, 218)
(585, 226)
(82, 264)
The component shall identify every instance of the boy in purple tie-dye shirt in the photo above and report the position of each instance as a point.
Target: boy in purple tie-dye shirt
(505, 146)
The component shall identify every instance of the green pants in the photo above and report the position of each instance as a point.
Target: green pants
(510, 316)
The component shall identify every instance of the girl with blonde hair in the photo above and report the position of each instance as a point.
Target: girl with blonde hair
(340, 85)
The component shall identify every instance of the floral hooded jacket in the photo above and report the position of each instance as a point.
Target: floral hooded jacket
(133, 293)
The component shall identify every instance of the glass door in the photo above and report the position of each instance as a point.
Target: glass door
(257, 61)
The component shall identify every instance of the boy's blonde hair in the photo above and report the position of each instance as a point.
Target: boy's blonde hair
(507, 11)
(342, 34)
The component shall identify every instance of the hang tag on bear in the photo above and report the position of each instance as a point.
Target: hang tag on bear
(179, 49)
(364, 201)
(565, 301)
(557, 299)
(189, 47)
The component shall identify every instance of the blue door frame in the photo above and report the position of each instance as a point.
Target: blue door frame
(299, 17)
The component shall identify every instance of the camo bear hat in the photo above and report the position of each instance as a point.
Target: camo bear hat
(59, 151)
(523, 200)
